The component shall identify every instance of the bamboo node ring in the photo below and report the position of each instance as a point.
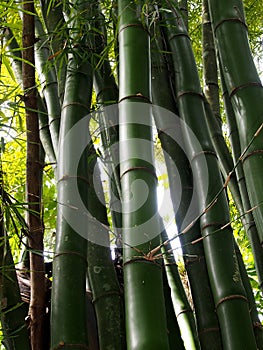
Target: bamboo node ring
(231, 19)
(179, 34)
(256, 152)
(148, 170)
(243, 86)
(70, 253)
(184, 311)
(190, 92)
(214, 224)
(139, 25)
(212, 153)
(75, 104)
(231, 297)
(138, 95)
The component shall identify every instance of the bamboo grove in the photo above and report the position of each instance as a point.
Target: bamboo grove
(90, 85)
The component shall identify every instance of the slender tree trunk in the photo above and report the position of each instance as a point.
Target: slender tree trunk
(33, 182)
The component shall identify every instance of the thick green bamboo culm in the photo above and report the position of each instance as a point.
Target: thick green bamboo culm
(247, 216)
(228, 292)
(68, 315)
(237, 183)
(164, 98)
(144, 299)
(107, 295)
(107, 93)
(168, 131)
(245, 90)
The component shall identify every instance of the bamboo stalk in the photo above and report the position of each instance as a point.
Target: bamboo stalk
(240, 195)
(168, 130)
(57, 31)
(174, 333)
(247, 216)
(181, 305)
(245, 90)
(210, 74)
(68, 316)
(144, 300)
(228, 292)
(106, 291)
(34, 169)
(107, 94)
(68, 312)
(49, 83)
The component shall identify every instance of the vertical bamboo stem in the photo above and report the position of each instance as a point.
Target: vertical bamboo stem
(33, 182)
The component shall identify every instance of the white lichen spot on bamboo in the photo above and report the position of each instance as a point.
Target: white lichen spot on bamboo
(97, 269)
